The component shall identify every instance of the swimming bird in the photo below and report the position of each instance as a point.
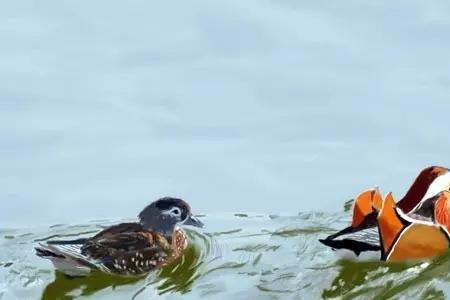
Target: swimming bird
(404, 238)
(361, 237)
(127, 248)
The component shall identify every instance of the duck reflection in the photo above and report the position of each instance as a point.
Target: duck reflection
(64, 287)
(176, 277)
(351, 275)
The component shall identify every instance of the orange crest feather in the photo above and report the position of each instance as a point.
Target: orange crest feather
(441, 210)
(389, 223)
(364, 205)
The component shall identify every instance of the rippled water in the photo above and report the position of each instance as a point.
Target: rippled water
(254, 106)
(240, 256)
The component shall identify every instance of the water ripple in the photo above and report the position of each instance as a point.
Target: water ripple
(260, 257)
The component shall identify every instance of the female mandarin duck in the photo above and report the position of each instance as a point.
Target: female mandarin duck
(361, 237)
(127, 248)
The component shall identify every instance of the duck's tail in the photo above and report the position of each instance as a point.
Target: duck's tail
(364, 213)
(361, 237)
(66, 257)
(361, 245)
(365, 206)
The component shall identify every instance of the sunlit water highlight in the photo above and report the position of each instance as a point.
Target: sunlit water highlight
(241, 256)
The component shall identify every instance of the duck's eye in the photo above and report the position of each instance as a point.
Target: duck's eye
(176, 211)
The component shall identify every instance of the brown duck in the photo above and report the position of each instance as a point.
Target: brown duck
(127, 248)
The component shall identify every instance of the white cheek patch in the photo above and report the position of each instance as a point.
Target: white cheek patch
(440, 184)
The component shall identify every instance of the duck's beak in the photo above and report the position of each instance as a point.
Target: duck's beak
(193, 221)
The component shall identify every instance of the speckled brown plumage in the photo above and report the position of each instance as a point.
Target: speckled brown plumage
(129, 249)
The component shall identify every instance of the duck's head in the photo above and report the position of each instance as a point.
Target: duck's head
(430, 182)
(165, 214)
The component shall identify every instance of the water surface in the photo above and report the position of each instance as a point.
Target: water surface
(240, 256)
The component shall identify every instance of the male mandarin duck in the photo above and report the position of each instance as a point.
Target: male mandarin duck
(404, 238)
(127, 248)
(361, 237)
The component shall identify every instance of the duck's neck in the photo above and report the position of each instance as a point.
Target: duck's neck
(166, 230)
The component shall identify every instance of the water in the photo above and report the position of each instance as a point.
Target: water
(243, 256)
(256, 107)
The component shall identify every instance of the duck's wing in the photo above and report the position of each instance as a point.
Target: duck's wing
(356, 244)
(134, 252)
(121, 249)
(114, 244)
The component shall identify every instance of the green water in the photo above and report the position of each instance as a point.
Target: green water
(240, 256)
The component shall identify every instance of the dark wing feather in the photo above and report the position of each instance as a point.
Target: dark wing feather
(128, 248)
(120, 242)
(358, 242)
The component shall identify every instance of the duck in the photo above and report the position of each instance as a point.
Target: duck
(361, 239)
(404, 238)
(129, 249)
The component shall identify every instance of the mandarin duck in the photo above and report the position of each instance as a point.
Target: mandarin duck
(127, 248)
(405, 238)
(361, 238)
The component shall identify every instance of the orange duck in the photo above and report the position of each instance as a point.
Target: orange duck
(361, 237)
(404, 238)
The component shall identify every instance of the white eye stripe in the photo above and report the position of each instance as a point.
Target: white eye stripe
(175, 211)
